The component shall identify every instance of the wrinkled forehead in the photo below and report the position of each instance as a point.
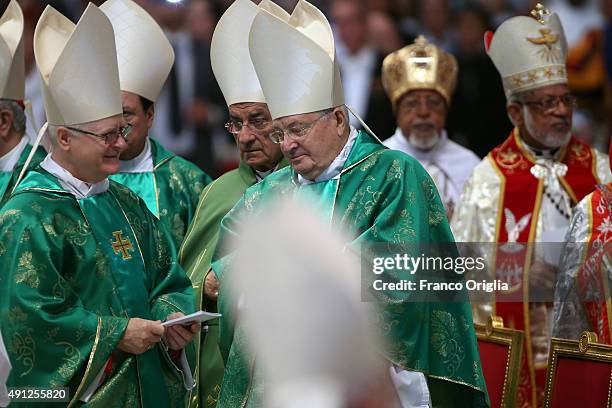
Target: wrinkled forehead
(287, 121)
(245, 110)
(103, 125)
(550, 90)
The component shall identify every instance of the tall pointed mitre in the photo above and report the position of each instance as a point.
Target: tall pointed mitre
(229, 54)
(529, 52)
(144, 54)
(12, 63)
(295, 61)
(273, 8)
(78, 67)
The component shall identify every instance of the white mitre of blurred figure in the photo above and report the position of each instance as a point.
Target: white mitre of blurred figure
(12, 63)
(144, 54)
(295, 61)
(302, 309)
(77, 66)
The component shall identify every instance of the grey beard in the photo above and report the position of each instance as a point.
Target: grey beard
(422, 142)
(550, 140)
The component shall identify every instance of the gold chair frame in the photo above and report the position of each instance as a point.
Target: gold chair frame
(587, 348)
(495, 332)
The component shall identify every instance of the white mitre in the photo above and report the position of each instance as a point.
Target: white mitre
(144, 54)
(78, 67)
(275, 9)
(295, 61)
(229, 54)
(12, 63)
(529, 52)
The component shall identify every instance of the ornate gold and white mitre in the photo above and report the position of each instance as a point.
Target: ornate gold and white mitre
(144, 54)
(295, 61)
(229, 53)
(77, 66)
(12, 63)
(419, 66)
(529, 52)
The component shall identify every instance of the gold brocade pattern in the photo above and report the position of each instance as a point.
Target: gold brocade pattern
(26, 272)
(51, 334)
(70, 361)
(251, 201)
(75, 232)
(102, 267)
(369, 162)
(405, 227)
(443, 339)
(24, 351)
(395, 171)
(436, 213)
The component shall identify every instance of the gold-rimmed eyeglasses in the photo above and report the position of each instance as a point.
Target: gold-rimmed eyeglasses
(109, 138)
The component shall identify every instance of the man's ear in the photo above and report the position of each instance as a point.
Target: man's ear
(63, 137)
(342, 122)
(6, 123)
(515, 114)
(149, 115)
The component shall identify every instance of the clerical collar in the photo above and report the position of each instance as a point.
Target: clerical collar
(260, 175)
(337, 165)
(143, 163)
(9, 160)
(550, 154)
(78, 188)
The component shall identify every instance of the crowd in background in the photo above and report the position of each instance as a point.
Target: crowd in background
(191, 112)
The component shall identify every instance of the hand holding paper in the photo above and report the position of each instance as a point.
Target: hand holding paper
(180, 328)
(197, 317)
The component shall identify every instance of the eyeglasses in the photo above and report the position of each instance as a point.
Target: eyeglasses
(109, 138)
(412, 104)
(297, 131)
(255, 125)
(549, 103)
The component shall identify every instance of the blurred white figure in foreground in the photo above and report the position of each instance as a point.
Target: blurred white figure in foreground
(5, 368)
(301, 307)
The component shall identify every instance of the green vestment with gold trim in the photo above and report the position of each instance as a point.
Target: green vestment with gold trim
(195, 257)
(73, 272)
(9, 178)
(171, 191)
(381, 196)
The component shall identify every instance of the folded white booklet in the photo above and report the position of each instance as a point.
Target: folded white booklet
(197, 317)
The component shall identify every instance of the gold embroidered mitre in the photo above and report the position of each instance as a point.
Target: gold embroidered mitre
(529, 52)
(419, 66)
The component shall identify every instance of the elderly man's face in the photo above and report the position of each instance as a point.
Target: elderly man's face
(140, 120)
(256, 148)
(324, 135)
(545, 116)
(421, 116)
(92, 158)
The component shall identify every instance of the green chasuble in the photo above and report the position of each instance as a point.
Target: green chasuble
(171, 191)
(9, 178)
(195, 257)
(73, 272)
(381, 196)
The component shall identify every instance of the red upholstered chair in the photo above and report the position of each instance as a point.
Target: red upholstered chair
(579, 373)
(500, 355)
